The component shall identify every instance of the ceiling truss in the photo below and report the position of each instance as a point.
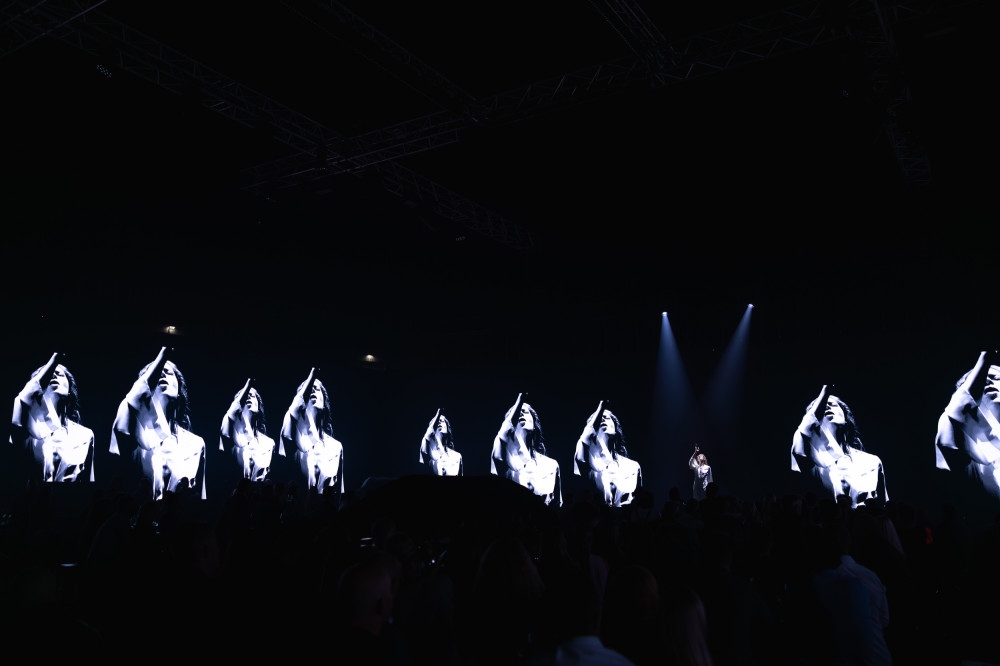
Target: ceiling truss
(320, 152)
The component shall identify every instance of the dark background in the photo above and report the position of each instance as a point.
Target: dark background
(129, 206)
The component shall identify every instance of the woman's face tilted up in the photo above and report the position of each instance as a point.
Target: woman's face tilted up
(316, 397)
(607, 423)
(252, 403)
(834, 411)
(442, 424)
(168, 384)
(59, 383)
(991, 392)
(526, 420)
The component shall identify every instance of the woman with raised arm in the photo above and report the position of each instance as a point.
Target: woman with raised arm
(46, 420)
(307, 427)
(968, 434)
(602, 457)
(244, 430)
(702, 474)
(827, 444)
(153, 426)
(437, 448)
(519, 453)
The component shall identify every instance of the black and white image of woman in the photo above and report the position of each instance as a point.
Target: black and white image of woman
(46, 420)
(153, 425)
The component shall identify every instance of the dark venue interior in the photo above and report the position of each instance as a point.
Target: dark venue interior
(436, 209)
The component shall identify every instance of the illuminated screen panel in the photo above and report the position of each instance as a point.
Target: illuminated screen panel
(519, 453)
(152, 427)
(968, 434)
(308, 431)
(437, 448)
(244, 434)
(46, 424)
(827, 446)
(601, 457)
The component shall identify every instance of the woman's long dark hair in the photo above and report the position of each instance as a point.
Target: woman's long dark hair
(325, 415)
(257, 421)
(536, 440)
(618, 441)
(69, 407)
(449, 441)
(179, 408)
(848, 434)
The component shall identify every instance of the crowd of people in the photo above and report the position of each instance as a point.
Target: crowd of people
(498, 577)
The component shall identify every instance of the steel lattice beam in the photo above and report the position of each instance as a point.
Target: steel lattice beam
(413, 68)
(321, 152)
(638, 24)
(745, 42)
(111, 40)
(21, 23)
(707, 53)
(445, 127)
(133, 51)
(631, 23)
(891, 91)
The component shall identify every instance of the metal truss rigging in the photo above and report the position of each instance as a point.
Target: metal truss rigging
(332, 17)
(111, 40)
(742, 43)
(21, 23)
(634, 20)
(891, 91)
(707, 53)
(319, 152)
(635, 28)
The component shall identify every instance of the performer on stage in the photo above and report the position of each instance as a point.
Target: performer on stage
(46, 421)
(702, 474)
(969, 428)
(519, 453)
(437, 448)
(602, 457)
(244, 432)
(308, 427)
(827, 444)
(152, 425)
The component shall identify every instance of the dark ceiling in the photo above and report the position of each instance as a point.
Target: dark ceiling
(383, 158)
